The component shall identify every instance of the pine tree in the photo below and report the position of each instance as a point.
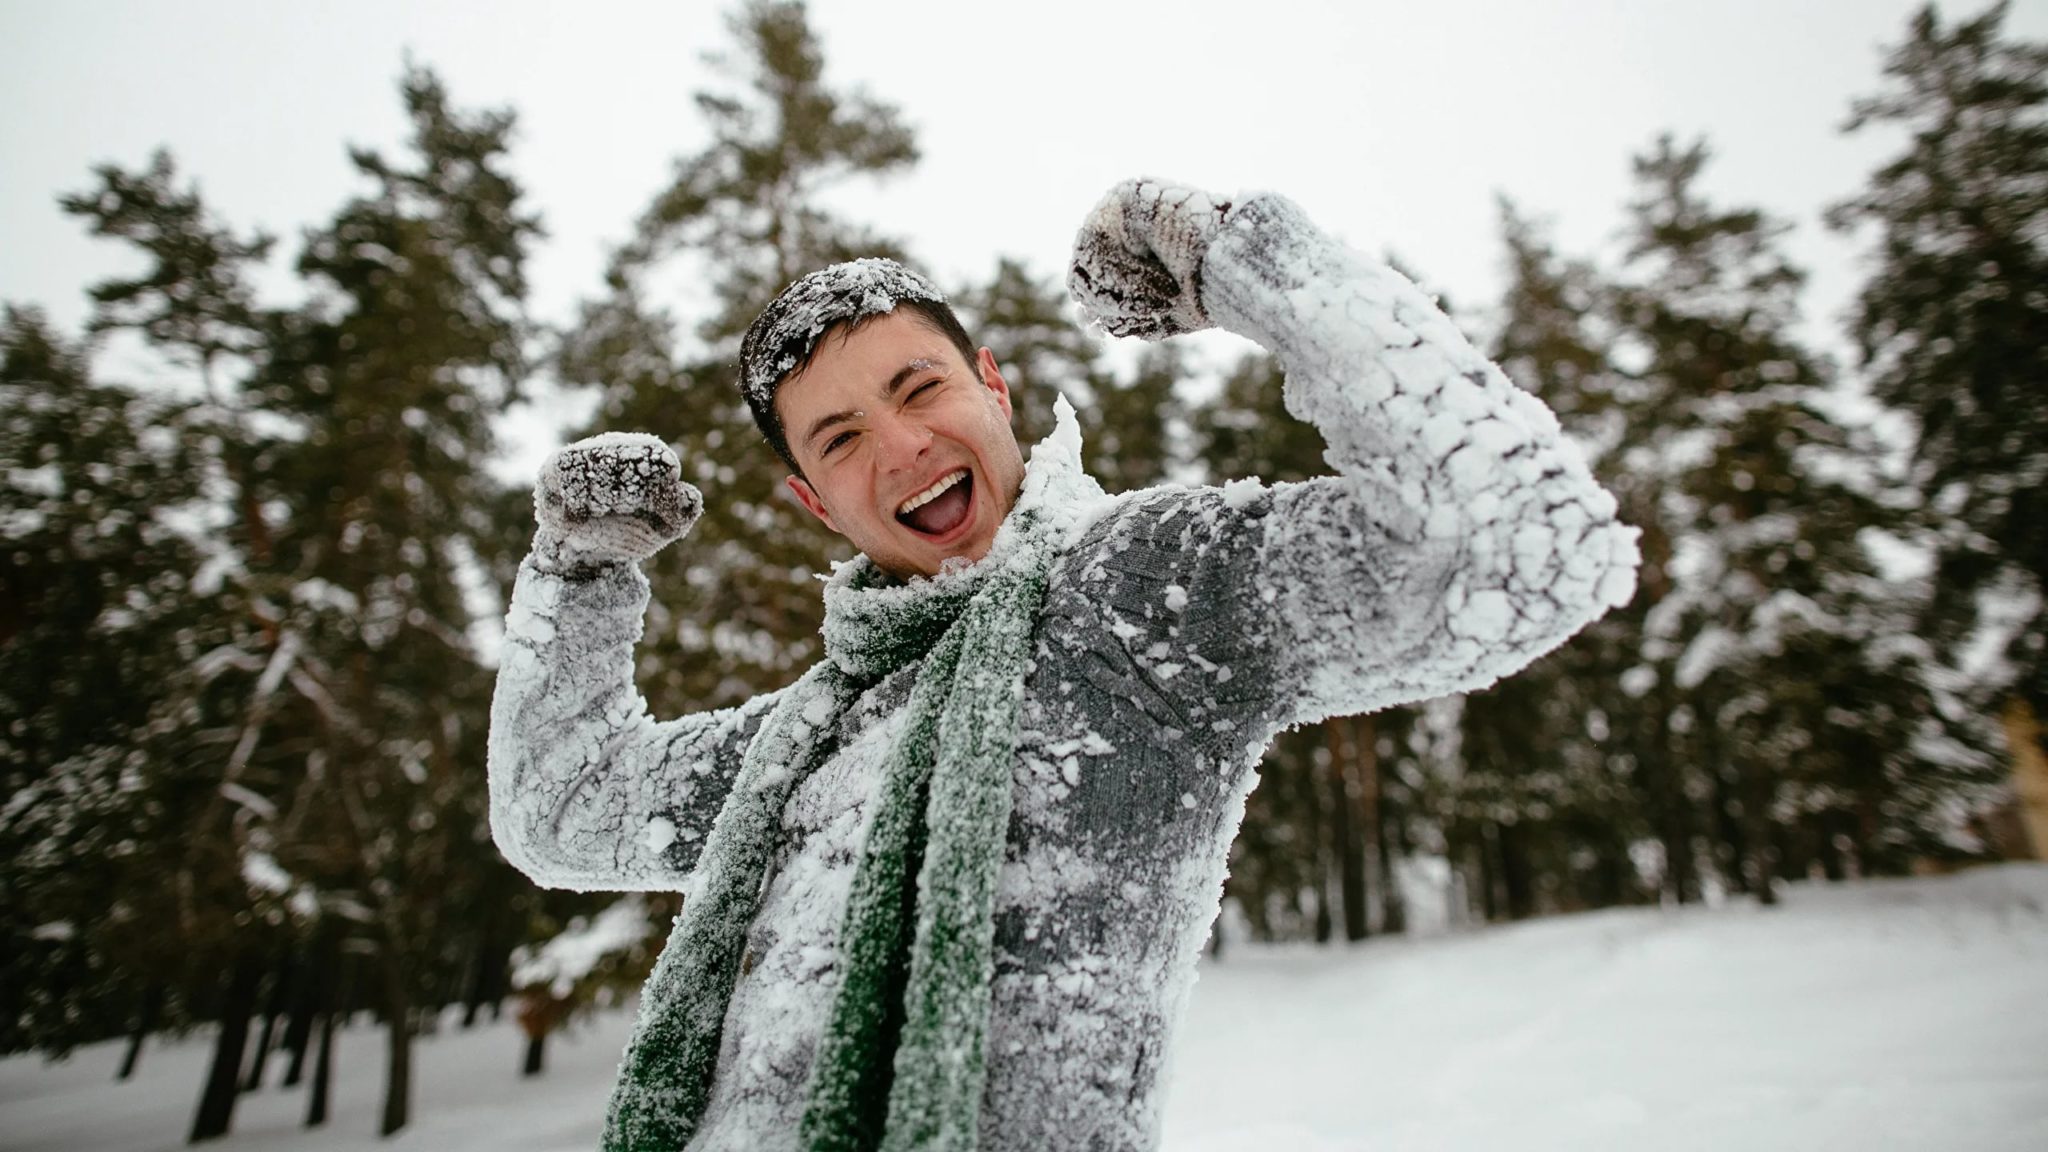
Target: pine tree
(100, 609)
(250, 715)
(1024, 320)
(415, 337)
(1245, 429)
(190, 907)
(1540, 799)
(1952, 328)
(195, 301)
(1134, 425)
(1768, 610)
(736, 608)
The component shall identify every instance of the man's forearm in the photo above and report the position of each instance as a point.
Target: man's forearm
(569, 748)
(587, 791)
(1443, 450)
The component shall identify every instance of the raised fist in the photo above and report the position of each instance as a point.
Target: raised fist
(617, 497)
(1137, 268)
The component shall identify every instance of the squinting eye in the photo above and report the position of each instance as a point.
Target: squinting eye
(838, 442)
(924, 388)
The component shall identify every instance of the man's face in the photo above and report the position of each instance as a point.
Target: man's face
(906, 449)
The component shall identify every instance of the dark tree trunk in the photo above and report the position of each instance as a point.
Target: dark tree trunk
(217, 1100)
(1518, 881)
(1663, 774)
(1325, 925)
(1871, 859)
(1766, 880)
(473, 988)
(323, 1072)
(1685, 872)
(1393, 907)
(1322, 856)
(1763, 834)
(259, 1055)
(1682, 874)
(486, 984)
(1729, 826)
(145, 1022)
(274, 1007)
(310, 995)
(1257, 925)
(398, 1026)
(1350, 760)
(536, 1054)
(1832, 865)
(1489, 904)
(330, 999)
(1731, 817)
(1612, 874)
(298, 1032)
(1795, 850)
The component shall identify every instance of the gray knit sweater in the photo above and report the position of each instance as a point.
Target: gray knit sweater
(1183, 628)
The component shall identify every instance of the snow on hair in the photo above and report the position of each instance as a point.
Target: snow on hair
(785, 335)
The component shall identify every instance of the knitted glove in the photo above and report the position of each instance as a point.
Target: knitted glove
(615, 498)
(1137, 267)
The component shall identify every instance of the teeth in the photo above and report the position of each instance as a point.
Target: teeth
(932, 493)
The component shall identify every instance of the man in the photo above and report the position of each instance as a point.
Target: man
(948, 889)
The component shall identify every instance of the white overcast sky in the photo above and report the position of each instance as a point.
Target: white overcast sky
(1395, 124)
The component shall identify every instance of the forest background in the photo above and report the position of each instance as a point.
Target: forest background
(258, 529)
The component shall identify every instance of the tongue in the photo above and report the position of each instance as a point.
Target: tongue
(943, 513)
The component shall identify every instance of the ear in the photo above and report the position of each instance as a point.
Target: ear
(808, 497)
(992, 379)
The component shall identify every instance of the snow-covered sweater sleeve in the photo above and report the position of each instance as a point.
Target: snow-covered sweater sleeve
(588, 791)
(1462, 537)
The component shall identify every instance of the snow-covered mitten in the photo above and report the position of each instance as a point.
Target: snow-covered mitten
(1137, 267)
(617, 497)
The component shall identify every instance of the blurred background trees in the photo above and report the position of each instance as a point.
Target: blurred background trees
(247, 611)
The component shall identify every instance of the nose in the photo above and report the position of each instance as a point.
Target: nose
(900, 441)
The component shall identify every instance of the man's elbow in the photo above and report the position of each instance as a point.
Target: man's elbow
(525, 824)
(551, 863)
(524, 841)
(588, 851)
(1595, 576)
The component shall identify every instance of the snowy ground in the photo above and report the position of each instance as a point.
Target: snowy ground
(1884, 1015)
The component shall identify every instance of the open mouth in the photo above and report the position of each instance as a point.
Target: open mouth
(940, 508)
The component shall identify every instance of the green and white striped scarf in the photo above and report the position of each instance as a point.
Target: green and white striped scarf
(902, 1060)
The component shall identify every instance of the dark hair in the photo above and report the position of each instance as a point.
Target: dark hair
(832, 303)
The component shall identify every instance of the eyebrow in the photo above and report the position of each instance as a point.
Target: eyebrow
(889, 390)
